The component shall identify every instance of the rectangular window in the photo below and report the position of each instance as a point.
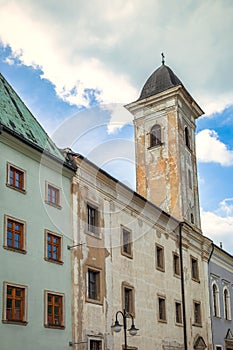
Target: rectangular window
(178, 310)
(14, 309)
(14, 234)
(54, 310)
(53, 195)
(94, 284)
(126, 248)
(159, 252)
(53, 247)
(15, 177)
(162, 309)
(95, 344)
(92, 219)
(176, 264)
(194, 269)
(128, 299)
(197, 313)
(218, 347)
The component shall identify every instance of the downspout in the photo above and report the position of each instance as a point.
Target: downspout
(210, 296)
(182, 286)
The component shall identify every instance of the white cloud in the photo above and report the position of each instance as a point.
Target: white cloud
(119, 117)
(226, 207)
(211, 149)
(218, 228)
(109, 47)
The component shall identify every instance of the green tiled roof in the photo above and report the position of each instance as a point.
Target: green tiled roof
(17, 118)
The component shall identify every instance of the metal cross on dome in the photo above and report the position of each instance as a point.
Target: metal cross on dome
(163, 58)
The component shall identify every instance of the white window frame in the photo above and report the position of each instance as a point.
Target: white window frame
(97, 230)
(217, 299)
(228, 304)
(95, 339)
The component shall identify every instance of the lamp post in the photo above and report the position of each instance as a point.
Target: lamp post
(117, 326)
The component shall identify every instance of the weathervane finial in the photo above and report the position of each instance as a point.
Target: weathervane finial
(163, 58)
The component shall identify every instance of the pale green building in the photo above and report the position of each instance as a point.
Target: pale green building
(35, 230)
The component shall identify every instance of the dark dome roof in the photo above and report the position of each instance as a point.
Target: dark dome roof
(162, 79)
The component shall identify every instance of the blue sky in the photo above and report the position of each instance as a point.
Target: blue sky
(75, 65)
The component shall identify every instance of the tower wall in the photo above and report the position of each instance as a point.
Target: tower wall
(166, 173)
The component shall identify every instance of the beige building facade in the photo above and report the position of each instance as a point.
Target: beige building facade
(144, 251)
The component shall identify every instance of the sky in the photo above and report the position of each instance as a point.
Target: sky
(75, 64)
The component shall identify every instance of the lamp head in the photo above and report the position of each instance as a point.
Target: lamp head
(117, 326)
(133, 330)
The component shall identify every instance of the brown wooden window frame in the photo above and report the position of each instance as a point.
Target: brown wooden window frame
(16, 178)
(159, 257)
(94, 285)
(194, 269)
(53, 244)
(56, 317)
(128, 298)
(126, 242)
(176, 264)
(162, 314)
(21, 233)
(178, 312)
(92, 220)
(52, 195)
(18, 296)
(197, 319)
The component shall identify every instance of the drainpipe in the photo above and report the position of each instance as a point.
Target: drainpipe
(182, 286)
(210, 291)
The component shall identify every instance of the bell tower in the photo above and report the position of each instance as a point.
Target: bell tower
(164, 122)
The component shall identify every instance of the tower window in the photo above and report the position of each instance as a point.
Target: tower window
(187, 137)
(190, 179)
(155, 135)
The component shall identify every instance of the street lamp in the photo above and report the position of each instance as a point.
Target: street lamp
(117, 326)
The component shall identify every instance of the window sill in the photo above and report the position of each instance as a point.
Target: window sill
(179, 324)
(196, 280)
(21, 190)
(58, 206)
(197, 324)
(54, 327)
(19, 323)
(162, 321)
(58, 262)
(127, 255)
(160, 269)
(16, 250)
(177, 276)
(155, 146)
(93, 301)
(94, 235)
